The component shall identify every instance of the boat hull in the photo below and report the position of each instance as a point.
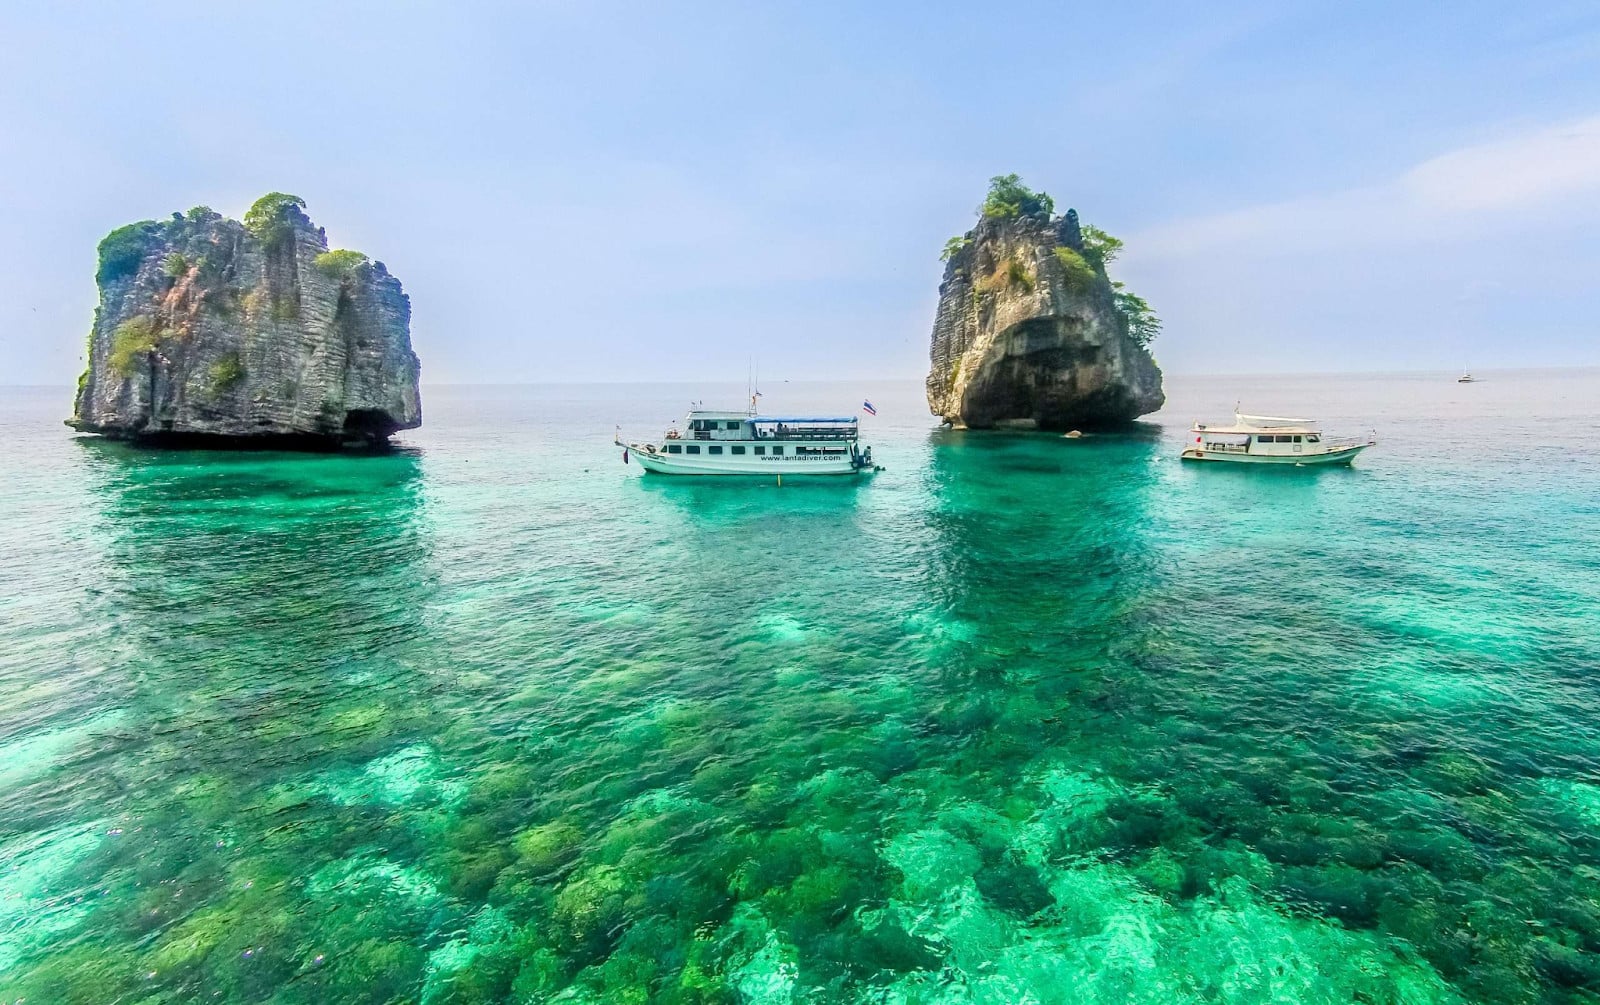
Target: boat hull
(1342, 456)
(746, 467)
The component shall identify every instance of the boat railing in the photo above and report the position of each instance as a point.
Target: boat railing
(808, 434)
(1345, 442)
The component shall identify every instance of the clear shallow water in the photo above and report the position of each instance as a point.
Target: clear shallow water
(1020, 719)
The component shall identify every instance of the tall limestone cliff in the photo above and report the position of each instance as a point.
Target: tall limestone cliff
(209, 328)
(1030, 331)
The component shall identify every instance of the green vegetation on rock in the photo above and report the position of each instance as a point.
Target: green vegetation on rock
(132, 339)
(1099, 247)
(174, 266)
(339, 262)
(1008, 197)
(953, 247)
(267, 217)
(226, 372)
(121, 251)
(1080, 275)
(1143, 325)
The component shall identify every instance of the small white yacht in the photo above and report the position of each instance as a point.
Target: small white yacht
(1270, 439)
(744, 443)
(1466, 378)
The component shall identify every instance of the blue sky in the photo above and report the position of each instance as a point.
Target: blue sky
(588, 191)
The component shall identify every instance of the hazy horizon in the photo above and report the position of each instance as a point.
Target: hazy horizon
(606, 194)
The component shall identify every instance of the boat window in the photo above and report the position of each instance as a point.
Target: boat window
(1297, 439)
(735, 450)
(777, 449)
(674, 448)
(713, 450)
(760, 450)
(735, 425)
(694, 448)
(1313, 439)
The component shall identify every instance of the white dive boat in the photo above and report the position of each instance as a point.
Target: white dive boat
(744, 443)
(1466, 378)
(1269, 439)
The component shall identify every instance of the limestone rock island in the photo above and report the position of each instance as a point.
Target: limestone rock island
(1030, 330)
(213, 330)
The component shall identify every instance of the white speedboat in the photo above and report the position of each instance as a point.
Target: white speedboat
(1466, 378)
(1270, 439)
(744, 443)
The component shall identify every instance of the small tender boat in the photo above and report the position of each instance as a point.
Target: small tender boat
(1466, 378)
(1270, 439)
(744, 443)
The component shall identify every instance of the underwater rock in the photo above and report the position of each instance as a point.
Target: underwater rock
(212, 329)
(1031, 333)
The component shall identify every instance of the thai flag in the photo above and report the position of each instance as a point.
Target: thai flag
(866, 406)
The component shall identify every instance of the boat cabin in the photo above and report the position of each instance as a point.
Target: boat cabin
(1260, 435)
(743, 426)
(1228, 439)
(732, 434)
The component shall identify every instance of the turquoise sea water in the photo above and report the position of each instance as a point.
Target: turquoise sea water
(1022, 719)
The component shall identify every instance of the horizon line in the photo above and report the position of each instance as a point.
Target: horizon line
(920, 379)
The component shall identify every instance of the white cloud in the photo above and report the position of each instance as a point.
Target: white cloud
(1538, 179)
(1534, 169)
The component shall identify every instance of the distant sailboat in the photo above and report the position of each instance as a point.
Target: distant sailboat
(1465, 378)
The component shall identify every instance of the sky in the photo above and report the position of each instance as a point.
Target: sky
(601, 192)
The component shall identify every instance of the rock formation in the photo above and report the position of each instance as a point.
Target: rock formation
(211, 329)
(1031, 333)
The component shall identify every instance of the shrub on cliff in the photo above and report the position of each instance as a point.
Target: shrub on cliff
(122, 250)
(1079, 273)
(1012, 272)
(267, 217)
(1099, 247)
(339, 262)
(132, 339)
(1143, 325)
(953, 247)
(1008, 197)
(226, 372)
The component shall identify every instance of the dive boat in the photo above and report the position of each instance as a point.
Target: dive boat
(1466, 378)
(744, 443)
(1270, 439)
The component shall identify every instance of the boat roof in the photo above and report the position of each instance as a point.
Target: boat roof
(1269, 421)
(704, 413)
(800, 422)
(1243, 423)
(1309, 427)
